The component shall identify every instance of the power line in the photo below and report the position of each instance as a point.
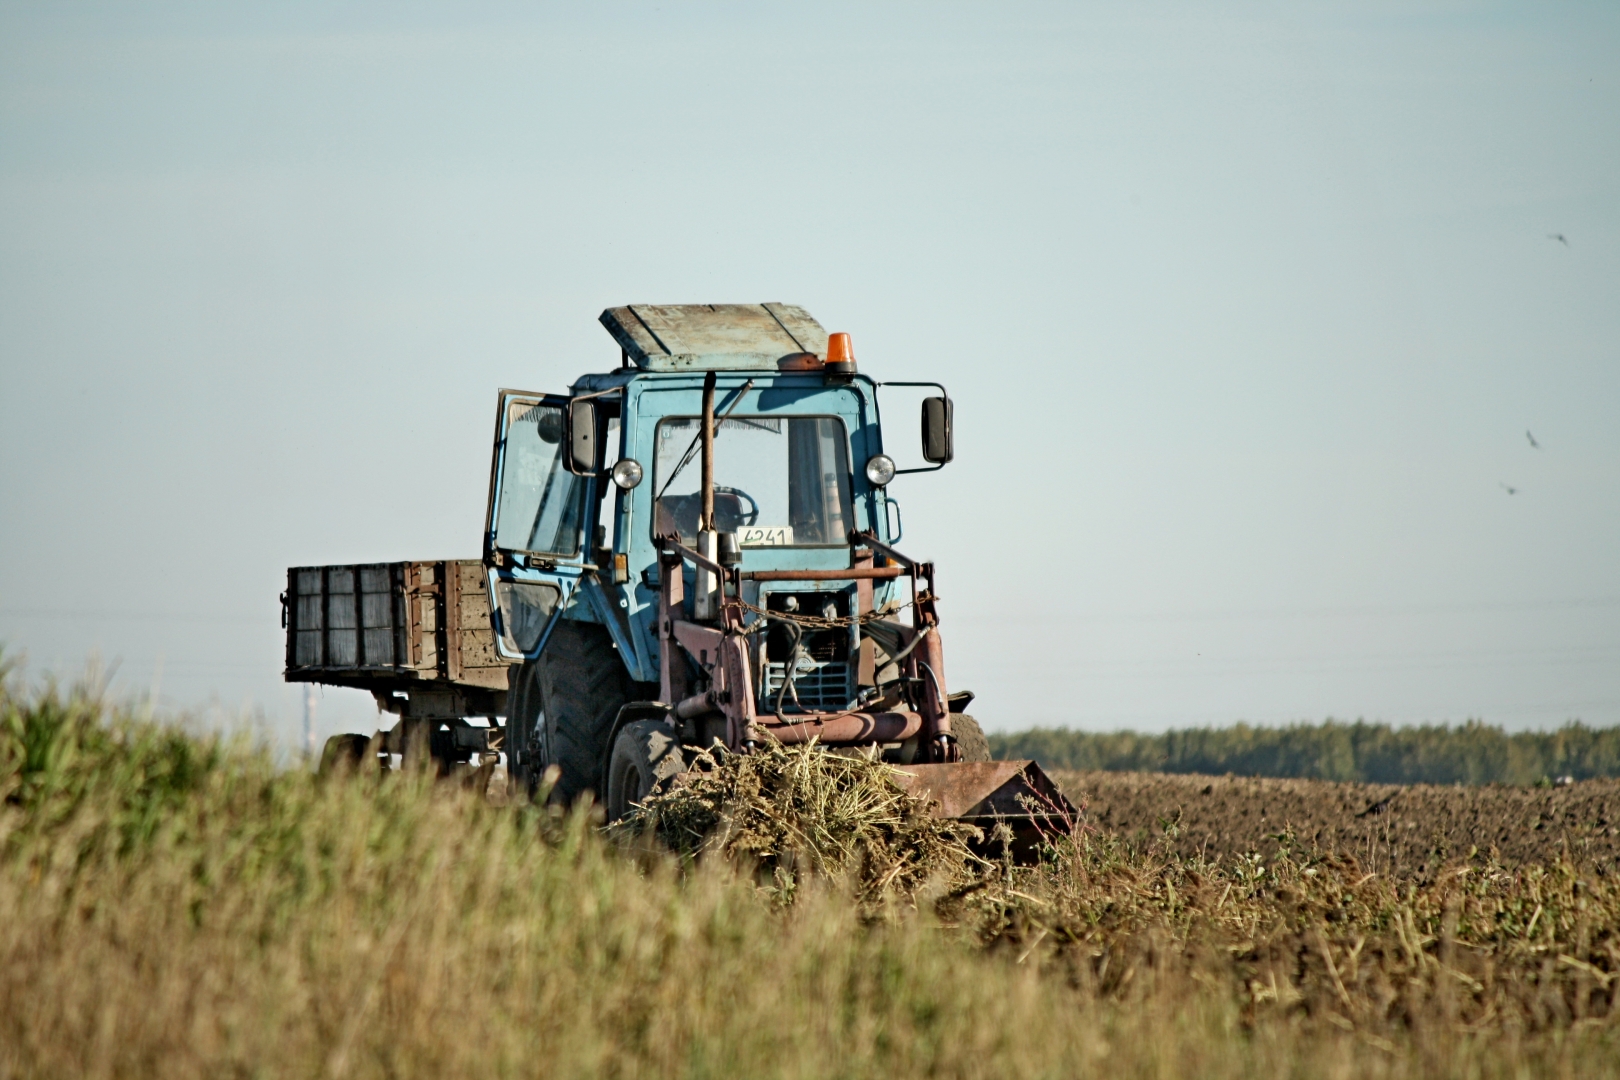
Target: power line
(267, 618)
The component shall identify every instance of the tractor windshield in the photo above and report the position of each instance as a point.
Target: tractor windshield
(778, 481)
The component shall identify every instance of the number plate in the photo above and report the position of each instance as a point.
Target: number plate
(765, 536)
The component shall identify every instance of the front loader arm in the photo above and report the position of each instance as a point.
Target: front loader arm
(721, 652)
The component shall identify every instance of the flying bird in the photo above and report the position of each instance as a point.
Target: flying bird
(1532, 439)
(1509, 490)
(1558, 236)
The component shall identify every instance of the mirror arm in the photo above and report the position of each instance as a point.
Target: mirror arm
(944, 393)
(569, 435)
(596, 394)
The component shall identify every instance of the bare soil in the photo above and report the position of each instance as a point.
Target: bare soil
(1406, 831)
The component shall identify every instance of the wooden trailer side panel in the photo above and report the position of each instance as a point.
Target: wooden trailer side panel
(388, 627)
(474, 661)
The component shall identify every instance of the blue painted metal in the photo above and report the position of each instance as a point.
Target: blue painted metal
(569, 587)
(664, 388)
(597, 596)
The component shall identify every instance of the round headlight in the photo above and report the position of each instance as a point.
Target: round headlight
(627, 473)
(880, 469)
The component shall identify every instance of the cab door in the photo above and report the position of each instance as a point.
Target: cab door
(534, 536)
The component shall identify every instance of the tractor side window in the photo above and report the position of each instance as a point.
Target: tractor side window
(778, 481)
(540, 500)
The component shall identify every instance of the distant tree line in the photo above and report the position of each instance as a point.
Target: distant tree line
(1473, 753)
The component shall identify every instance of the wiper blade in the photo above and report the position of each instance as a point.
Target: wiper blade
(697, 440)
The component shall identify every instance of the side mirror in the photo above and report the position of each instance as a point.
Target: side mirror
(938, 443)
(582, 450)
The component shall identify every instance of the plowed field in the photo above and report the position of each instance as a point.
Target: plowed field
(1408, 832)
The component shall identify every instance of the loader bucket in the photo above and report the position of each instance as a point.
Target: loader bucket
(990, 793)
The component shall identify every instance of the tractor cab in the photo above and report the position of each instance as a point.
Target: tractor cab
(734, 459)
(699, 548)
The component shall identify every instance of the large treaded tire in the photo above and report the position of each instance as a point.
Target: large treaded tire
(524, 751)
(583, 684)
(970, 738)
(646, 756)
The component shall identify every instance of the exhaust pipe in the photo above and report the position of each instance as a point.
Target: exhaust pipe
(704, 599)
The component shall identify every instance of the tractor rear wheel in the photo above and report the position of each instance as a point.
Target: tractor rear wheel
(970, 738)
(646, 756)
(583, 684)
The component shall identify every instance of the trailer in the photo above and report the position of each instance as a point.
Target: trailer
(418, 637)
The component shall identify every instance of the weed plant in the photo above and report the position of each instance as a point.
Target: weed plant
(178, 906)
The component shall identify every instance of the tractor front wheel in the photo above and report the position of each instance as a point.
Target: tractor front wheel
(970, 738)
(646, 756)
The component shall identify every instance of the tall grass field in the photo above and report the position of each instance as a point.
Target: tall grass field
(177, 906)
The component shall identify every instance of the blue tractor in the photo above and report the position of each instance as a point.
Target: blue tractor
(696, 548)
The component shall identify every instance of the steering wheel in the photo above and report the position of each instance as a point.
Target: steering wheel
(729, 515)
(742, 517)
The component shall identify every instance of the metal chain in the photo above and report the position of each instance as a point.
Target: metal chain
(821, 622)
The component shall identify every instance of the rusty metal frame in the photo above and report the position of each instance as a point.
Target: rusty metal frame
(722, 652)
(851, 573)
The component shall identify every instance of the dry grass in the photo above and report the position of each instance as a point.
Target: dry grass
(175, 907)
(795, 815)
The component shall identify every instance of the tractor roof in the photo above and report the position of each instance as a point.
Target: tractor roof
(724, 337)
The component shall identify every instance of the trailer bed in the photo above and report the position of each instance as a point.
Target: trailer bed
(416, 635)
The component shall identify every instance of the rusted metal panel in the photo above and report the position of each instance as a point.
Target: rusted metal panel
(865, 660)
(677, 337)
(674, 678)
(859, 728)
(853, 573)
(473, 597)
(703, 642)
(983, 791)
(422, 588)
(1016, 807)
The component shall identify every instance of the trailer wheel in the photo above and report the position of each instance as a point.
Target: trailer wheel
(970, 738)
(583, 684)
(646, 756)
(343, 753)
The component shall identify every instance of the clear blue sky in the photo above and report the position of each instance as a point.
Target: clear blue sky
(1247, 315)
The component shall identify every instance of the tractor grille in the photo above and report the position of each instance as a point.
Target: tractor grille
(821, 686)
